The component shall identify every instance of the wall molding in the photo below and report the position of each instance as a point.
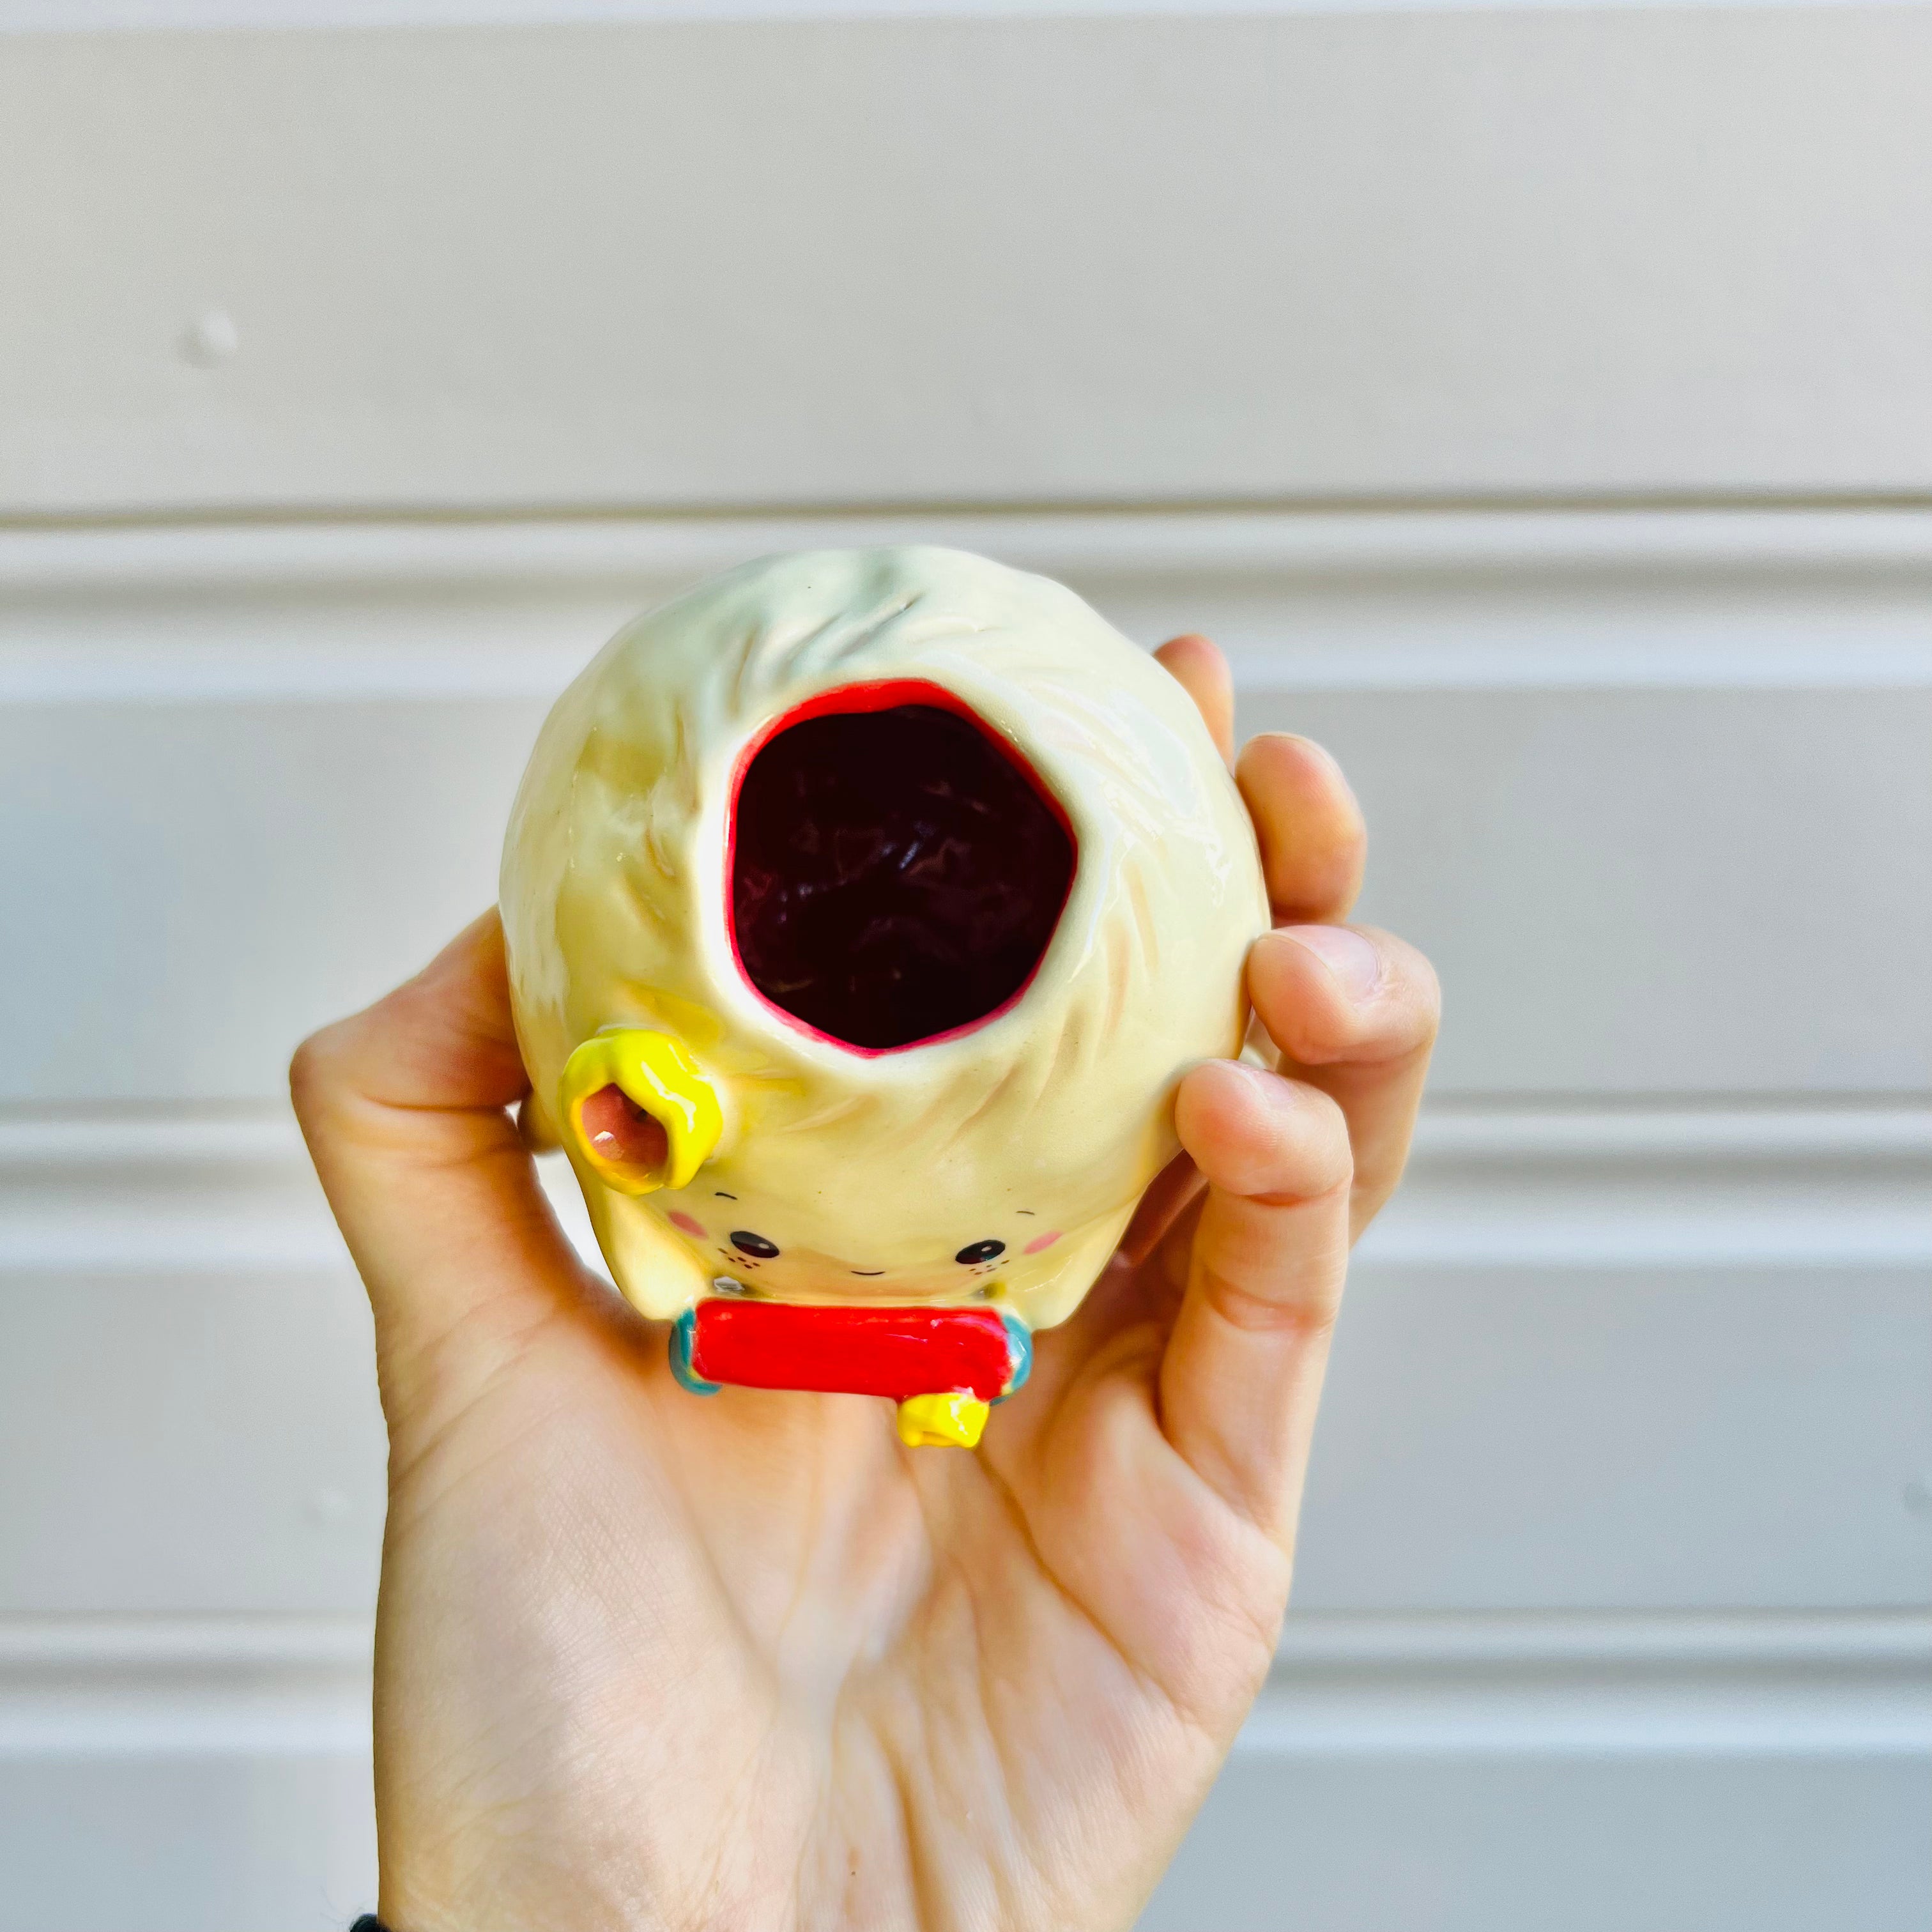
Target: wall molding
(89, 1686)
(1765, 1187)
(1663, 1684)
(94, 16)
(1650, 1683)
(1369, 600)
(172, 1191)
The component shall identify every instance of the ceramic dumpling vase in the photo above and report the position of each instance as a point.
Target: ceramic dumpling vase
(864, 910)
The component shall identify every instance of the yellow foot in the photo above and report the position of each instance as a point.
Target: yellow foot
(942, 1421)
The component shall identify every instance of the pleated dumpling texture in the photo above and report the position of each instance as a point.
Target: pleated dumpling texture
(987, 720)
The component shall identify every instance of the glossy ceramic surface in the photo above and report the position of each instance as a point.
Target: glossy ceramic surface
(863, 910)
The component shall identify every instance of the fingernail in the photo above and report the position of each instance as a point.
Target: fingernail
(1347, 954)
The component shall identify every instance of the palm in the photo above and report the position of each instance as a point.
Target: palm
(648, 1660)
(904, 1685)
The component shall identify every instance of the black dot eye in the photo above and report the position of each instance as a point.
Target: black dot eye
(980, 1251)
(753, 1244)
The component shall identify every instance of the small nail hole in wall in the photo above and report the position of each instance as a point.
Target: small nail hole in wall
(211, 339)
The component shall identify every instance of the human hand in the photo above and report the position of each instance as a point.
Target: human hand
(647, 1661)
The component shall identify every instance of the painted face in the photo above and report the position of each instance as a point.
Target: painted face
(756, 1263)
(863, 910)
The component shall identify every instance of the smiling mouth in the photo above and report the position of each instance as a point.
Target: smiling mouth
(869, 1274)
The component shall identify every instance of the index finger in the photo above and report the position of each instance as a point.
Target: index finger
(1198, 667)
(1313, 842)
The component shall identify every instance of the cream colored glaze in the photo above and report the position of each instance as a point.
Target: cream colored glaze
(1053, 1115)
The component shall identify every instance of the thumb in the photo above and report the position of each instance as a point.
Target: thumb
(404, 1106)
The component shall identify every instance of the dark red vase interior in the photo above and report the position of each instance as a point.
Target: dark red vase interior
(895, 874)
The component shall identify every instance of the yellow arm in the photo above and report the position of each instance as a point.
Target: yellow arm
(657, 1073)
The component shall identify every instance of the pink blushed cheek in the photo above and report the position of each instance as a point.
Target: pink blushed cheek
(1037, 1245)
(686, 1225)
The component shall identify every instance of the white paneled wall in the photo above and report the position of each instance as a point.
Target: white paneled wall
(1618, 1546)
(1646, 249)
(1615, 1602)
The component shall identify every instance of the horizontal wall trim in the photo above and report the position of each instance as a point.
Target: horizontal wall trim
(1669, 1640)
(138, 1137)
(1368, 600)
(1662, 1684)
(162, 1191)
(1643, 1685)
(45, 1648)
(1667, 1186)
(90, 1686)
(1717, 1134)
(281, 553)
(97, 1648)
(72, 16)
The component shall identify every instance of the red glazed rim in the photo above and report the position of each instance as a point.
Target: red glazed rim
(882, 695)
